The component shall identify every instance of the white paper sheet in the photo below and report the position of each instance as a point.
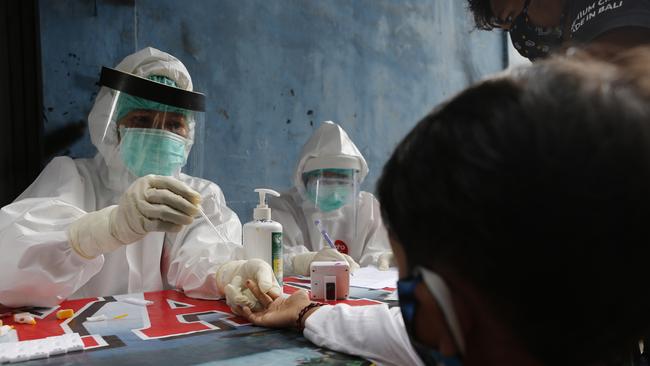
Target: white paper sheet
(372, 278)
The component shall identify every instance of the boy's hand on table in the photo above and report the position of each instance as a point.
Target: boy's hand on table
(278, 311)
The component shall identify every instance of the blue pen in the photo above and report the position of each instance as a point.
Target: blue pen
(324, 234)
(327, 238)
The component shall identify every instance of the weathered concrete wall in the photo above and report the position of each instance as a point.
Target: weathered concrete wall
(273, 70)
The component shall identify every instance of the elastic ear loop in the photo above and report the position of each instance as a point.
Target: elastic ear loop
(441, 293)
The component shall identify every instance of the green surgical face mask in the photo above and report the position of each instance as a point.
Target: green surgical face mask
(151, 151)
(329, 194)
(329, 197)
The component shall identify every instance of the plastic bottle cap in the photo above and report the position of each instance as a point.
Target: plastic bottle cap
(262, 211)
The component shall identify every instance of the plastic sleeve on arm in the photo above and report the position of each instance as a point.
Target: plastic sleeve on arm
(90, 236)
(194, 255)
(289, 253)
(377, 245)
(374, 332)
(376, 241)
(38, 267)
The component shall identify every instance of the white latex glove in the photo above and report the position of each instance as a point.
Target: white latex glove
(385, 261)
(231, 281)
(302, 262)
(151, 203)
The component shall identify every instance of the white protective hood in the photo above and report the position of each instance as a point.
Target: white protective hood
(146, 62)
(327, 144)
(359, 230)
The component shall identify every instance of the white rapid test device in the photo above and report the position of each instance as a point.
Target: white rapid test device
(330, 280)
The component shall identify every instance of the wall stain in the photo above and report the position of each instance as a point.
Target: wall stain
(189, 45)
(121, 2)
(224, 113)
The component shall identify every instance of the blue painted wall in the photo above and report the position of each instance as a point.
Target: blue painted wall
(272, 71)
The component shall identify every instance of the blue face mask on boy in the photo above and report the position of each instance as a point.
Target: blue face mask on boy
(152, 151)
(408, 305)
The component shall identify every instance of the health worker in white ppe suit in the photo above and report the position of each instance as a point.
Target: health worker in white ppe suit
(124, 222)
(326, 181)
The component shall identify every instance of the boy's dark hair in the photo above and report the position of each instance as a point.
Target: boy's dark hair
(482, 12)
(534, 188)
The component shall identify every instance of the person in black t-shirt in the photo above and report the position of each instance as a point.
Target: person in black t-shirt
(537, 27)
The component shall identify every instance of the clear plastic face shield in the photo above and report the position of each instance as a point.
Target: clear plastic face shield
(330, 189)
(332, 193)
(153, 123)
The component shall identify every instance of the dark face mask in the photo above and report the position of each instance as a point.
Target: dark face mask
(408, 305)
(532, 41)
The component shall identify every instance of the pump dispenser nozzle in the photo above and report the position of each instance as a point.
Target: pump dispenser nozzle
(262, 211)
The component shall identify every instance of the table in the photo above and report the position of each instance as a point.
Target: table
(178, 330)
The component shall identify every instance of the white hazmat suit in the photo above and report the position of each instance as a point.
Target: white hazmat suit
(297, 214)
(38, 267)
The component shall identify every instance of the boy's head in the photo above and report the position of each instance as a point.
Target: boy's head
(533, 190)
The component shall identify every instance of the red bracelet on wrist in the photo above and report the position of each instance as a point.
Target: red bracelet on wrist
(303, 312)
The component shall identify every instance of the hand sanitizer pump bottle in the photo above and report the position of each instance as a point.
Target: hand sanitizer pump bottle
(263, 236)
